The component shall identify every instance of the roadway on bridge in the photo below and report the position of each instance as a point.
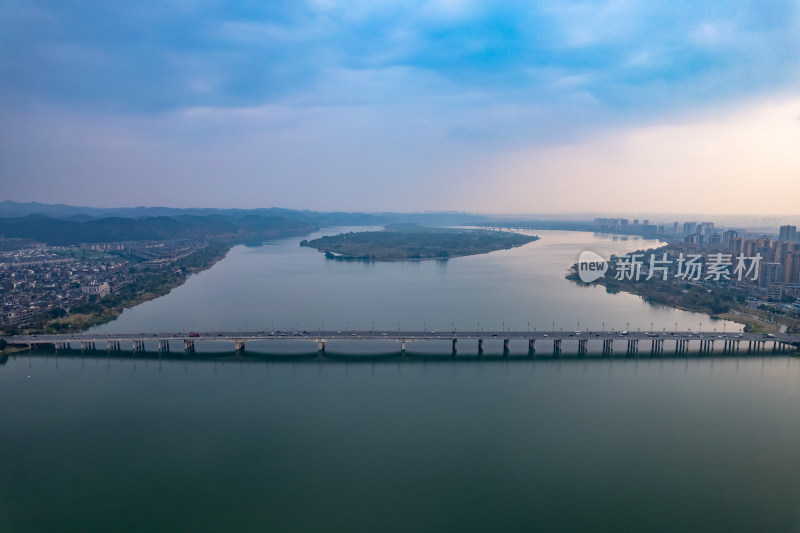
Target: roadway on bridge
(330, 335)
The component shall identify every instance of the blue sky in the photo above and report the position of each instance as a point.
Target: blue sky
(478, 106)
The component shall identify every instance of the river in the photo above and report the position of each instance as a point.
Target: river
(282, 286)
(129, 443)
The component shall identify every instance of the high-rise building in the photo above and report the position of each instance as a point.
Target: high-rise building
(781, 249)
(694, 238)
(689, 228)
(728, 235)
(707, 229)
(764, 247)
(788, 233)
(771, 274)
(791, 270)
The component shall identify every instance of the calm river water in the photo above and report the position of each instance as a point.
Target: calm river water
(281, 286)
(143, 444)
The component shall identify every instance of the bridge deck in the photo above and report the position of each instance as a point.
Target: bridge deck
(396, 336)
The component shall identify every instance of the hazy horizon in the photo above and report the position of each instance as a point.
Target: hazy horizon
(742, 221)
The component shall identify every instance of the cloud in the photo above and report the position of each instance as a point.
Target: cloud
(149, 58)
(370, 95)
(741, 159)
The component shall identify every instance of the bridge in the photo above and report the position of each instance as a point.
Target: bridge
(542, 343)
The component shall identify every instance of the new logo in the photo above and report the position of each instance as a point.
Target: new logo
(591, 267)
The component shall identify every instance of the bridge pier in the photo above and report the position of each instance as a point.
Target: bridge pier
(138, 345)
(163, 345)
(531, 347)
(505, 348)
(455, 347)
(582, 348)
(556, 347)
(403, 346)
(730, 346)
(188, 345)
(656, 346)
(238, 345)
(480, 347)
(608, 347)
(633, 347)
(320, 346)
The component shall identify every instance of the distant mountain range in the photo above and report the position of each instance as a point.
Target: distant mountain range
(9, 209)
(63, 231)
(61, 224)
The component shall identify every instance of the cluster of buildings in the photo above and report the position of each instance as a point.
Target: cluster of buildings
(691, 232)
(35, 279)
(625, 226)
(776, 258)
(698, 233)
(154, 252)
(780, 269)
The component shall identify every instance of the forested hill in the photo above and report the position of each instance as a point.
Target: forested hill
(59, 231)
(10, 209)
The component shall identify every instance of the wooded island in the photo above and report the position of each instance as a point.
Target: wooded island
(408, 241)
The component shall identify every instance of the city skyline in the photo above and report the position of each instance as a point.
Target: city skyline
(431, 106)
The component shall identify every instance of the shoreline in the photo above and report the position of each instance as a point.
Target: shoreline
(146, 287)
(751, 324)
(656, 297)
(414, 243)
(218, 252)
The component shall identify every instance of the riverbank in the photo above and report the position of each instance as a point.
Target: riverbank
(149, 286)
(719, 304)
(153, 281)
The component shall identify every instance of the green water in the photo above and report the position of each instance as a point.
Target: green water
(424, 444)
(282, 286)
(623, 445)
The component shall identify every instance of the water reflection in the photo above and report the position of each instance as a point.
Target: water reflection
(282, 286)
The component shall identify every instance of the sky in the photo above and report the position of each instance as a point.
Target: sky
(492, 107)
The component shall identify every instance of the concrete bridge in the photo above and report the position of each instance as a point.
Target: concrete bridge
(542, 343)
